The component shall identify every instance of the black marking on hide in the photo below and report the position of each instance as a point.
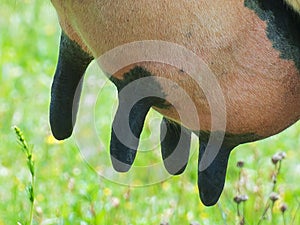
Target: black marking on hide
(72, 63)
(138, 73)
(229, 138)
(283, 26)
(175, 146)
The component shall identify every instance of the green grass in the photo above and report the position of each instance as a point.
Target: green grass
(68, 191)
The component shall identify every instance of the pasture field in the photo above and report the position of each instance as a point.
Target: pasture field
(68, 191)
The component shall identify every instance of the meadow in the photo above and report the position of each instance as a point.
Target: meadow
(67, 188)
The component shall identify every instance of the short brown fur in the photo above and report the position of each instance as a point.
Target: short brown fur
(262, 90)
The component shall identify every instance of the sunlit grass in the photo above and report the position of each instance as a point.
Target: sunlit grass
(27, 150)
(68, 191)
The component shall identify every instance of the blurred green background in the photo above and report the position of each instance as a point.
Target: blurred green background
(68, 191)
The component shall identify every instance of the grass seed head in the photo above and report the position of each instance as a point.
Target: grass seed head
(278, 157)
(240, 164)
(283, 207)
(240, 198)
(274, 196)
